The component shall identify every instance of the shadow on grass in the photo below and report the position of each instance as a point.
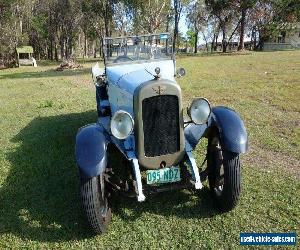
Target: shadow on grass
(39, 199)
(183, 204)
(46, 73)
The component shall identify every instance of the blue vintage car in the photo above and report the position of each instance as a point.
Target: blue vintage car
(140, 112)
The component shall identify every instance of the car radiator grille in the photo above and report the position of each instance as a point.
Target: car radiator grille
(161, 125)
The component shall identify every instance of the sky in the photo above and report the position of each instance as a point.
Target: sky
(183, 29)
(182, 25)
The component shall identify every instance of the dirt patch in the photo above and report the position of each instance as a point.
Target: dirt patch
(2, 66)
(268, 160)
(71, 64)
(83, 82)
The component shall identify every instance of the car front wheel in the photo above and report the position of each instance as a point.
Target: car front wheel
(95, 202)
(224, 175)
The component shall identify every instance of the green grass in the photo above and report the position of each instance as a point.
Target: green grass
(41, 110)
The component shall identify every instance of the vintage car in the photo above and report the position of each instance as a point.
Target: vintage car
(141, 113)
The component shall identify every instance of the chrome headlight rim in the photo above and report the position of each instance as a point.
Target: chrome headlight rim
(113, 129)
(191, 106)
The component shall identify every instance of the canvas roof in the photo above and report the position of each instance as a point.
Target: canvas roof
(24, 49)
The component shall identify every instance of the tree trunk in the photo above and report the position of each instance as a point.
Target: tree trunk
(253, 38)
(196, 42)
(79, 44)
(260, 44)
(205, 40)
(51, 35)
(107, 18)
(167, 30)
(55, 52)
(224, 43)
(94, 49)
(21, 26)
(48, 51)
(45, 54)
(66, 42)
(51, 50)
(85, 47)
(213, 44)
(242, 31)
(168, 23)
(100, 49)
(70, 46)
(62, 48)
(176, 21)
(216, 43)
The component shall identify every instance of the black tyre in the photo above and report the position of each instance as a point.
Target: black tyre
(95, 203)
(224, 174)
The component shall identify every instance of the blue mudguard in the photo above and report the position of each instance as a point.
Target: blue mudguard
(91, 145)
(231, 128)
(232, 131)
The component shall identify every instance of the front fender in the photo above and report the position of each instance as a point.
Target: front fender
(90, 150)
(232, 130)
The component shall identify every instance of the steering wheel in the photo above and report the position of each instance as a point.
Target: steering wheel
(122, 59)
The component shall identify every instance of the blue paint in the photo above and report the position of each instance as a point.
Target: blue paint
(193, 133)
(128, 77)
(90, 150)
(232, 130)
(123, 80)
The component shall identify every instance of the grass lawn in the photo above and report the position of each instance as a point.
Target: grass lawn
(41, 110)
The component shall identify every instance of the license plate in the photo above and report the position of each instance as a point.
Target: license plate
(164, 175)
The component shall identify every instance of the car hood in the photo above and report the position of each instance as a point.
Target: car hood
(129, 76)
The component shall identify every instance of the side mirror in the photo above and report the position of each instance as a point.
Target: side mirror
(180, 72)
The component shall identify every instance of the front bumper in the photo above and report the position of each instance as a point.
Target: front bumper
(188, 181)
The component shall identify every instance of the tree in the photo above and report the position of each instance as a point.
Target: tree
(53, 26)
(178, 6)
(225, 12)
(221, 9)
(243, 7)
(191, 37)
(149, 15)
(122, 18)
(12, 14)
(267, 16)
(261, 18)
(93, 25)
(197, 17)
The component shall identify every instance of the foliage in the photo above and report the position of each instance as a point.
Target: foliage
(12, 13)
(191, 37)
(197, 17)
(150, 15)
(59, 29)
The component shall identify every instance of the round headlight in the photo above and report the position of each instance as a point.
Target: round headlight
(121, 124)
(199, 111)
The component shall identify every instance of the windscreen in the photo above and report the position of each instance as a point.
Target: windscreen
(131, 49)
